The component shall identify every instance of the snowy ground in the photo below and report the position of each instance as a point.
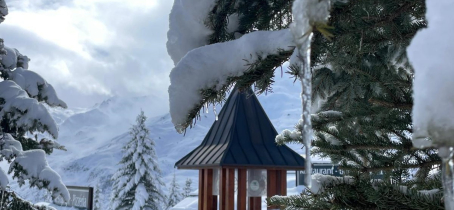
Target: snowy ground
(94, 138)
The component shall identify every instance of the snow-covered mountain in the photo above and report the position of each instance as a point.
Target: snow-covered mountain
(95, 136)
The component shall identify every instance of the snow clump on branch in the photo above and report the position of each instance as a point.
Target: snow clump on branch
(187, 28)
(210, 66)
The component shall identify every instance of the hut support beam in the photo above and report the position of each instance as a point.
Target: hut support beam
(222, 189)
(255, 203)
(283, 182)
(242, 193)
(230, 187)
(201, 188)
(207, 200)
(276, 183)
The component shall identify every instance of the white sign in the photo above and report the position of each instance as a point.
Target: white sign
(80, 197)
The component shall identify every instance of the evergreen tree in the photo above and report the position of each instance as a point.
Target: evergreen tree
(362, 76)
(175, 194)
(97, 203)
(364, 124)
(187, 188)
(23, 94)
(137, 183)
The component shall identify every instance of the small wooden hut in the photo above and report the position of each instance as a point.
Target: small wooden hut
(239, 156)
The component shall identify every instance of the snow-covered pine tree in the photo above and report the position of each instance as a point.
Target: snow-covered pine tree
(137, 183)
(360, 72)
(365, 121)
(187, 187)
(23, 94)
(97, 203)
(175, 194)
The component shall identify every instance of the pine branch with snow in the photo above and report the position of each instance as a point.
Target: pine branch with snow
(364, 81)
(358, 193)
(30, 165)
(23, 94)
(137, 183)
(194, 83)
(9, 200)
(362, 77)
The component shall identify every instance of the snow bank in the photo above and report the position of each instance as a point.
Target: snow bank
(28, 113)
(431, 53)
(45, 204)
(211, 65)
(187, 29)
(188, 203)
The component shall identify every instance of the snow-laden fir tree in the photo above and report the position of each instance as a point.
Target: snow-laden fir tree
(23, 94)
(98, 199)
(360, 73)
(175, 194)
(137, 183)
(187, 187)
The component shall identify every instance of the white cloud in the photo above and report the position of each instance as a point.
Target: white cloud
(93, 49)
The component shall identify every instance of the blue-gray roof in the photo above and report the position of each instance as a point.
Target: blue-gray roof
(243, 136)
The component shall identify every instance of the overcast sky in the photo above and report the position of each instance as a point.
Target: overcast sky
(90, 50)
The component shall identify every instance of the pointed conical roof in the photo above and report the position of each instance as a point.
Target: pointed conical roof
(243, 136)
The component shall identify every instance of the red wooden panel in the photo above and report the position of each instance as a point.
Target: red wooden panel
(201, 187)
(241, 199)
(222, 188)
(283, 182)
(230, 193)
(272, 184)
(208, 190)
(255, 203)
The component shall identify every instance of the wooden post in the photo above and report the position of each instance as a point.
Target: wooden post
(276, 184)
(222, 189)
(255, 203)
(272, 185)
(230, 189)
(201, 188)
(208, 190)
(242, 193)
(283, 182)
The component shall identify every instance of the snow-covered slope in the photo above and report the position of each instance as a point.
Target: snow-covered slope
(94, 137)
